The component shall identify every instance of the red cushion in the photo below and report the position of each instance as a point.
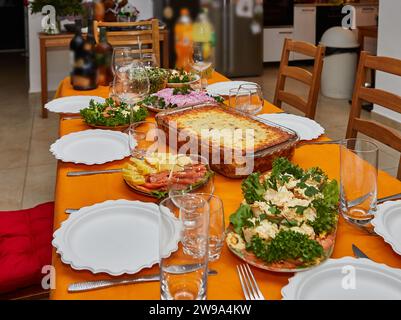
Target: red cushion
(25, 246)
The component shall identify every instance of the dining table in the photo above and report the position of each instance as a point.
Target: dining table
(77, 192)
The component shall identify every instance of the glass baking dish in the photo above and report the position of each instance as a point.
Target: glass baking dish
(261, 160)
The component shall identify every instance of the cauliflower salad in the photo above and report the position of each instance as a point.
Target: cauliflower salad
(288, 217)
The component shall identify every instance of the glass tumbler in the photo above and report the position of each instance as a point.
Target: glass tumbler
(240, 99)
(358, 180)
(184, 256)
(142, 138)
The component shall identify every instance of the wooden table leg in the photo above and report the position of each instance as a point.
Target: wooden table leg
(166, 54)
(43, 76)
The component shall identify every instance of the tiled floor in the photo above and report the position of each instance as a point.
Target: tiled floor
(27, 170)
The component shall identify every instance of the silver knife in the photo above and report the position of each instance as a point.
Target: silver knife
(88, 173)
(358, 252)
(389, 198)
(92, 285)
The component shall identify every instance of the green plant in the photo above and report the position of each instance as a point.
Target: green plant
(63, 7)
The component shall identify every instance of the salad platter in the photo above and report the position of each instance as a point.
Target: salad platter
(170, 98)
(150, 176)
(109, 115)
(288, 219)
(178, 79)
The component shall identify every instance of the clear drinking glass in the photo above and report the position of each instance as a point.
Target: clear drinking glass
(184, 259)
(194, 177)
(240, 99)
(202, 60)
(142, 138)
(358, 180)
(121, 59)
(217, 231)
(257, 100)
(131, 85)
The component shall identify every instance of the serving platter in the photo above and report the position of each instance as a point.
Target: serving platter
(115, 237)
(94, 146)
(345, 279)
(307, 129)
(387, 223)
(183, 84)
(72, 104)
(223, 88)
(251, 259)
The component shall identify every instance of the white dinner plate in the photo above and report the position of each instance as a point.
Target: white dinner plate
(387, 223)
(345, 279)
(223, 88)
(115, 237)
(72, 104)
(306, 128)
(91, 147)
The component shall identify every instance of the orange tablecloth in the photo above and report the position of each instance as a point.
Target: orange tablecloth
(75, 192)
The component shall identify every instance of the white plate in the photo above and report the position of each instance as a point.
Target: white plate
(114, 237)
(306, 128)
(223, 88)
(387, 223)
(91, 147)
(72, 104)
(345, 279)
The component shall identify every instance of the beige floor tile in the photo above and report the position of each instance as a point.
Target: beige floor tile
(44, 133)
(40, 185)
(11, 188)
(14, 145)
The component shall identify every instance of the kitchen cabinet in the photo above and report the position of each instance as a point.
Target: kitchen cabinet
(304, 27)
(273, 41)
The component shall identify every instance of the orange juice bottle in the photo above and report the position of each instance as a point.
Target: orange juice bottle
(183, 41)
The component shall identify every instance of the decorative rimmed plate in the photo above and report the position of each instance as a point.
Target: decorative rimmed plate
(387, 223)
(307, 129)
(223, 88)
(91, 147)
(116, 237)
(251, 259)
(72, 104)
(345, 279)
(183, 84)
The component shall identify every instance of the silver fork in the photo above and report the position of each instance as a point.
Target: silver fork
(248, 283)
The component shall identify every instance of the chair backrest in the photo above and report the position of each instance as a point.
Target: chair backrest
(149, 36)
(373, 129)
(311, 79)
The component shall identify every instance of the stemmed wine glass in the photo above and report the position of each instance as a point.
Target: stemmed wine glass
(131, 85)
(122, 59)
(202, 60)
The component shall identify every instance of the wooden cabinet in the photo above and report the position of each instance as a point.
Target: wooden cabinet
(304, 27)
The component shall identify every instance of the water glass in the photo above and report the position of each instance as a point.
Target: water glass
(358, 180)
(183, 259)
(217, 231)
(240, 99)
(194, 177)
(257, 100)
(142, 138)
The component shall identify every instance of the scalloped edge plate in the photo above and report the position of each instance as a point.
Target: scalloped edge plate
(71, 104)
(385, 211)
(85, 220)
(307, 129)
(340, 271)
(92, 135)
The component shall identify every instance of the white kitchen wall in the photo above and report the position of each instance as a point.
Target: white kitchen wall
(389, 45)
(58, 59)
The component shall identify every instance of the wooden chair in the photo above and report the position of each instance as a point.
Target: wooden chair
(311, 79)
(149, 38)
(373, 129)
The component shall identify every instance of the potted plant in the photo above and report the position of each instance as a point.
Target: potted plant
(67, 11)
